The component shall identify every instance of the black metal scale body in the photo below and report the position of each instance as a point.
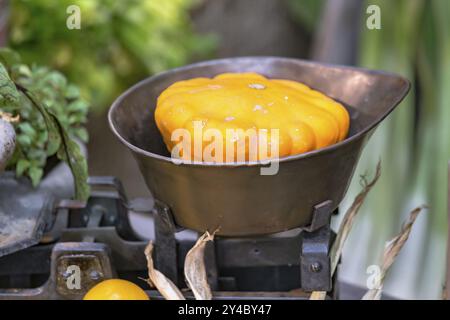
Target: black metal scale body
(99, 239)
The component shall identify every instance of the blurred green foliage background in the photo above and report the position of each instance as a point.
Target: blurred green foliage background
(413, 143)
(121, 41)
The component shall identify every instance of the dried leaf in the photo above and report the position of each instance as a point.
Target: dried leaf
(346, 226)
(391, 252)
(195, 271)
(156, 279)
(9, 117)
(347, 223)
(318, 295)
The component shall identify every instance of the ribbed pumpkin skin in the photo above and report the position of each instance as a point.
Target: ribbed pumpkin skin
(306, 119)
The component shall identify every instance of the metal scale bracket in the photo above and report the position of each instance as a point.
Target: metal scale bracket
(315, 264)
(314, 257)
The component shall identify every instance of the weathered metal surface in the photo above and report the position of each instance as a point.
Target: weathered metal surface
(269, 263)
(315, 260)
(93, 253)
(74, 268)
(107, 196)
(321, 216)
(265, 271)
(90, 262)
(235, 197)
(24, 213)
(165, 243)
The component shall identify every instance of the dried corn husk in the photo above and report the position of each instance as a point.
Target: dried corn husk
(346, 226)
(318, 295)
(391, 251)
(156, 279)
(195, 271)
(347, 223)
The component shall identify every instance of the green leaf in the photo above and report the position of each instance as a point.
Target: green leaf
(24, 140)
(9, 96)
(71, 154)
(42, 137)
(56, 79)
(27, 129)
(21, 166)
(51, 112)
(72, 92)
(82, 134)
(54, 138)
(23, 70)
(9, 57)
(67, 149)
(78, 105)
(35, 175)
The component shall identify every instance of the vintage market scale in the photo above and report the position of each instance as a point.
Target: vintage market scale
(274, 239)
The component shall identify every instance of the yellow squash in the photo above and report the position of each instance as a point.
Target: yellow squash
(116, 289)
(306, 119)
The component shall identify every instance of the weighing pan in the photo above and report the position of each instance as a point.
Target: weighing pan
(236, 198)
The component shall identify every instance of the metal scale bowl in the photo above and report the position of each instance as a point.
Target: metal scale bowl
(236, 197)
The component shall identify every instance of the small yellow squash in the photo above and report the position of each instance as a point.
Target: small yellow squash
(306, 119)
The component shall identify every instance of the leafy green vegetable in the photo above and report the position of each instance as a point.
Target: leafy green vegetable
(69, 151)
(51, 114)
(8, 93)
